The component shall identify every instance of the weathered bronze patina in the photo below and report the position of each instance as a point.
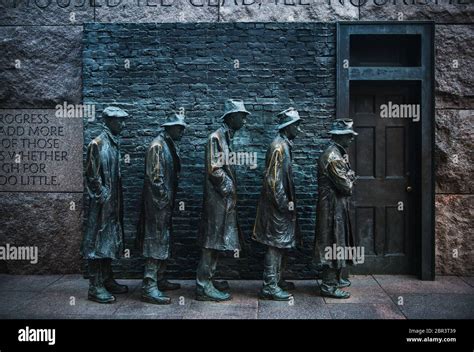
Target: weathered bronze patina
(103, 234)
(276, 224)
(162, 167)
(336, 182)
(219, 230)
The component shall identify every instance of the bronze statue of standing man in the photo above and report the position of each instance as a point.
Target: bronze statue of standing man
(103, 234)
(219, 230)
(162, 167)
(336, 183)
(276, 224)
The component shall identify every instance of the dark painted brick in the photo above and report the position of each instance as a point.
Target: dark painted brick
(192, 66)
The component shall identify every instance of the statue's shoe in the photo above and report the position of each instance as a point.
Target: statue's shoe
(212, 294)
(334, 292)
(287, 285)
(100, 295)
(114, 287)
(221, 285)
(154, 296)
(165, 285)
(278, 295)
(343, 283)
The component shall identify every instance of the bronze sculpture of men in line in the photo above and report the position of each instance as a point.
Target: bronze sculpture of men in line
(103, 235)
(162, 167)
(336, 182)
(276, 224)
(219, 230)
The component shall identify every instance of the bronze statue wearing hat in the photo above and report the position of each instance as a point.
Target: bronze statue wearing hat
(219, 230)
(103, 234)
(336, 182)
(162, 167)
(276, 224)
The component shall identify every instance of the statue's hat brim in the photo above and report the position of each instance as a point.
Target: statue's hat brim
(343, 132)
(233, 106)
(175, 120)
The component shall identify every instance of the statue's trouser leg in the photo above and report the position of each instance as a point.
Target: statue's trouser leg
(106, 265)
(151, 271)
(97, 290)
(342, 282)
(149, 284)
(95, 274)
(339, 275)
(206, 268)
(329, 280)
(163, 283)
(272, 269)
(162, 264)
(109, 282)
(282, 268)
(150, 291)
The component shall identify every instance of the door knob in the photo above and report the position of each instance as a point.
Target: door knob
(409, 189)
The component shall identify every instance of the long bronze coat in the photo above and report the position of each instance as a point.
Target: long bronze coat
(336, 180)
(103, 234)
(276, 221)
(162, 167)
(219, 228)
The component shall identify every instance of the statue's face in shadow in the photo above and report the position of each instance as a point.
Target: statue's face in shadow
(236, 120)
(176, 132)
(293, 130)
(344, 140)
(115, 125)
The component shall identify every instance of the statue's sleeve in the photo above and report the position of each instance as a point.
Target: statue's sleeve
(93, 172)
(155, 172)
(217, 175)
(337, 172)
(274, 178)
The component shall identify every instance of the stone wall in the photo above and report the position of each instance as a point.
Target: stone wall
(453, 150)
(46, 39)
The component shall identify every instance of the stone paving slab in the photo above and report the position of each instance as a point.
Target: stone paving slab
(469, 280)
(365, 311)
(363, 289)
(437, 306)
(11, 301)
(61, 304)
(306, 304)
(373, 297)
(183, 305)
(410, 284)
(33, 283)
(235, 309)
(302, 307)
(77, 283)
(133, 308)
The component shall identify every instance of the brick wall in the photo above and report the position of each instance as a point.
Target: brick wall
(194, 66)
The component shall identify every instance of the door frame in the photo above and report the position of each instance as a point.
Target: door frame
(425, 241)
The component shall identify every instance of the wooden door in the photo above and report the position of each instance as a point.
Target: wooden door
(384, 156)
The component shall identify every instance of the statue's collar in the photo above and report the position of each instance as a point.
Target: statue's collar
(228, 130)
(168, 139)
(111, 136)
(341, 148)
(287, 140)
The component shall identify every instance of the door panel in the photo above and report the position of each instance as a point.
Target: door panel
(382, 157)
